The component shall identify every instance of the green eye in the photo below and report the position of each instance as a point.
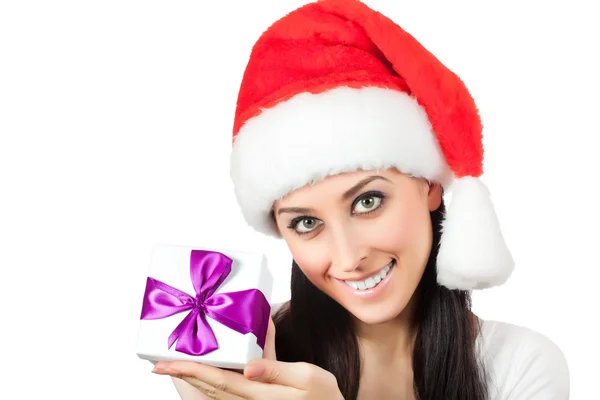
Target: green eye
(308, 223)
(367, 204)
(305, 225)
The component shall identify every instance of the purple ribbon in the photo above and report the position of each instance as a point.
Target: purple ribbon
(247, 311)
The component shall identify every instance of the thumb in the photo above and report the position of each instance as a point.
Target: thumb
(263, 370)
(269, 350)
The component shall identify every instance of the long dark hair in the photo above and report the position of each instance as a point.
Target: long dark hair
(314, 328)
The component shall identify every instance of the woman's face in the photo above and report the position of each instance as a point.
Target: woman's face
(363, 238)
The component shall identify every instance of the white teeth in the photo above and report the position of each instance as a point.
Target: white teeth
(372, 281)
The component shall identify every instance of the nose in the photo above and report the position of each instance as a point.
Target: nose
(347, 251)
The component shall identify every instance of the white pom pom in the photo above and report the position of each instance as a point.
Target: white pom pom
(473, 253)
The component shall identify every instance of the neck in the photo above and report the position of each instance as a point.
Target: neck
(386, 352)
(390, 340)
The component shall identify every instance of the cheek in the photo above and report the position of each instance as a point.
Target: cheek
(397, 231)
(405, 234)
(311, 259)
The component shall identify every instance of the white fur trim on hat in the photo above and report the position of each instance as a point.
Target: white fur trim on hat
(312, 136)
(473, 253)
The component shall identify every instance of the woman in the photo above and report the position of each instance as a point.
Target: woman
(347, 133)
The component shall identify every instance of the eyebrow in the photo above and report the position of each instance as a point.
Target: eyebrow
(354, 189)
(347, 194)
(296, 210)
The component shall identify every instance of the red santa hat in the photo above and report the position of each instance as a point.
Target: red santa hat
(335, 87)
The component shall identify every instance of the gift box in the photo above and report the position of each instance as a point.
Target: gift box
(205, 305)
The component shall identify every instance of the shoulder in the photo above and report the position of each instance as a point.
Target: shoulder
(522, 364)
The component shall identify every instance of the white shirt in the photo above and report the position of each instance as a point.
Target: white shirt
(522, 364)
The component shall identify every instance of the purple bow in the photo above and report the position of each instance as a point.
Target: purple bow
(245, 312)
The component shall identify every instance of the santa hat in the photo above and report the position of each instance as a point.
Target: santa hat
(336, 87)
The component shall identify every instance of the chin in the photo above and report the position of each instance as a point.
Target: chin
(377, 313)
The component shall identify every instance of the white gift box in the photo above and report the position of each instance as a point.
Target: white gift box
(171, 265)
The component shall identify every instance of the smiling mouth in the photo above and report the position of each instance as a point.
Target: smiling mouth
(373, 280)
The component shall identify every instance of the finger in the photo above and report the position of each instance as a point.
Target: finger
(208, 392)
(238, 371)
(269, 351)
(187, 390)
(259, 392)
(220, 379)
(297, 375)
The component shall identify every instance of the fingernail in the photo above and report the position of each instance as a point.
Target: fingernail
(161, 366)
(254, 370)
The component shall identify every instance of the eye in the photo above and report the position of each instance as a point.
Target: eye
(367, 203)
(303, 225)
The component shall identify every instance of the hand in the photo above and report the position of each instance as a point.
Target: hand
(263, 379)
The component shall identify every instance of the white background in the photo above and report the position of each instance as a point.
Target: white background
(115, 123)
